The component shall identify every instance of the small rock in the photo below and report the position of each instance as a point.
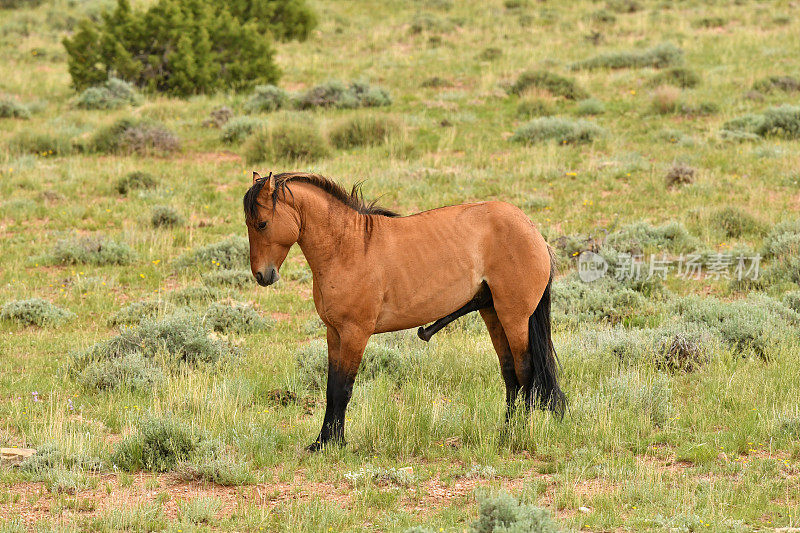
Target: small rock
(9, 453)
(584, 510)
(408, 470)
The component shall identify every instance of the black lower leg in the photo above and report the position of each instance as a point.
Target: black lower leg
(339, 391)
(512, 388)
(482, 300)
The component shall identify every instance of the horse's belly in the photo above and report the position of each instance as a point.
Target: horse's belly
(427, 304)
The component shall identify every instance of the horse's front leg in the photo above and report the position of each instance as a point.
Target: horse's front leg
(345, 350)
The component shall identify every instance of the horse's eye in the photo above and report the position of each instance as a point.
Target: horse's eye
(261, 226)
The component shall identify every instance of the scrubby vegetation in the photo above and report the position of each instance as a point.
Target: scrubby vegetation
(112, 94)
(363, 130)
(660, 56)
(548, 81)
(34, 312)
(173, 370)
(165, 216)
(290, 142)
(561, 130)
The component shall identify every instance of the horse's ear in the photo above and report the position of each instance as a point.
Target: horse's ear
(271, 182)
(256, 176)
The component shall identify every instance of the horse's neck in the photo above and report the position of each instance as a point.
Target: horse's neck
(328, 228)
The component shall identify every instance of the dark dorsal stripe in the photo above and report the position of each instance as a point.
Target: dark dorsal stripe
(354, 199)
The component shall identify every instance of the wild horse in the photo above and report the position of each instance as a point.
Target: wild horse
(376, 271)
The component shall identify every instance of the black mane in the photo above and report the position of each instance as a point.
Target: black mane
(354, 199)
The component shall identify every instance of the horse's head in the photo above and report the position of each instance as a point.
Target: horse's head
(272, 227)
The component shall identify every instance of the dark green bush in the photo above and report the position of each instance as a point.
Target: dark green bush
(134, 181)
(34, 312)
(676, 76)
(735, 222)
(682, 347)
(17, 4)
(267, 98)
(624, 6)
(164, 216)
(660, 56)
(602, 15)
(218, 117)
(229, 278)
(491, 53)
(777, 83)
(561, 130)
(13, 109)
(709, 22)
(129, 135)
(230, 253)
(363, 130)
(185, 47)
(93, 250)
(240, 128)
(338, 95)
(286, 141)
(553, 83)
(112, 94)
(235, 318)
(158, 445)
(502, 513)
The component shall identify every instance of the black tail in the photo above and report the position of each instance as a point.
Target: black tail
(545, 392)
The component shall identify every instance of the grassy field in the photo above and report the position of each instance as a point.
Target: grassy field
(684, 411)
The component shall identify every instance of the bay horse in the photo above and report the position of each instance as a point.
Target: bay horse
(375, 271)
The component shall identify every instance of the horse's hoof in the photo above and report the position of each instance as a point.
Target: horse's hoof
(422, 335)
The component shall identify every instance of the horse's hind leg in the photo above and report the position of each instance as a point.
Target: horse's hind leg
(500, 343)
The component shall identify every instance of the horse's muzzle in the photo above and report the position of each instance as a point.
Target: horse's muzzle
(266, 280)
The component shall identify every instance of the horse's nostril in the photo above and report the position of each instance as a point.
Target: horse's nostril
(259, 277)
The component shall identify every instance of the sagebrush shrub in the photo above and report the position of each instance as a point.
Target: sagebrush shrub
(777, 83)
(200, 510)
(503, 513)
(683, 347)
(781, 122)
(165, 216)
(735, 222)
(93, 250)
(338, 95)
(13, 109)
(185, 47)
(129, 135)
(639, 236)
(555, 84)
(133, 371)
(792, 300)
(287, 141)
(379, 360)
(660, 56)
(236, 318)
(783, 239)
(363, 130)
(136, 180)
(113, 94)
(34, 312)
(267, 98)
(193, 294)
(229, 278)
(157, 445)
(677, 76)
(240, 128)
(561, 130)
(602, 300)
(175, 339)
(230, 253)
(590, 106)
(134, 313)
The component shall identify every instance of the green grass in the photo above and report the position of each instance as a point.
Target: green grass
(683, 410)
